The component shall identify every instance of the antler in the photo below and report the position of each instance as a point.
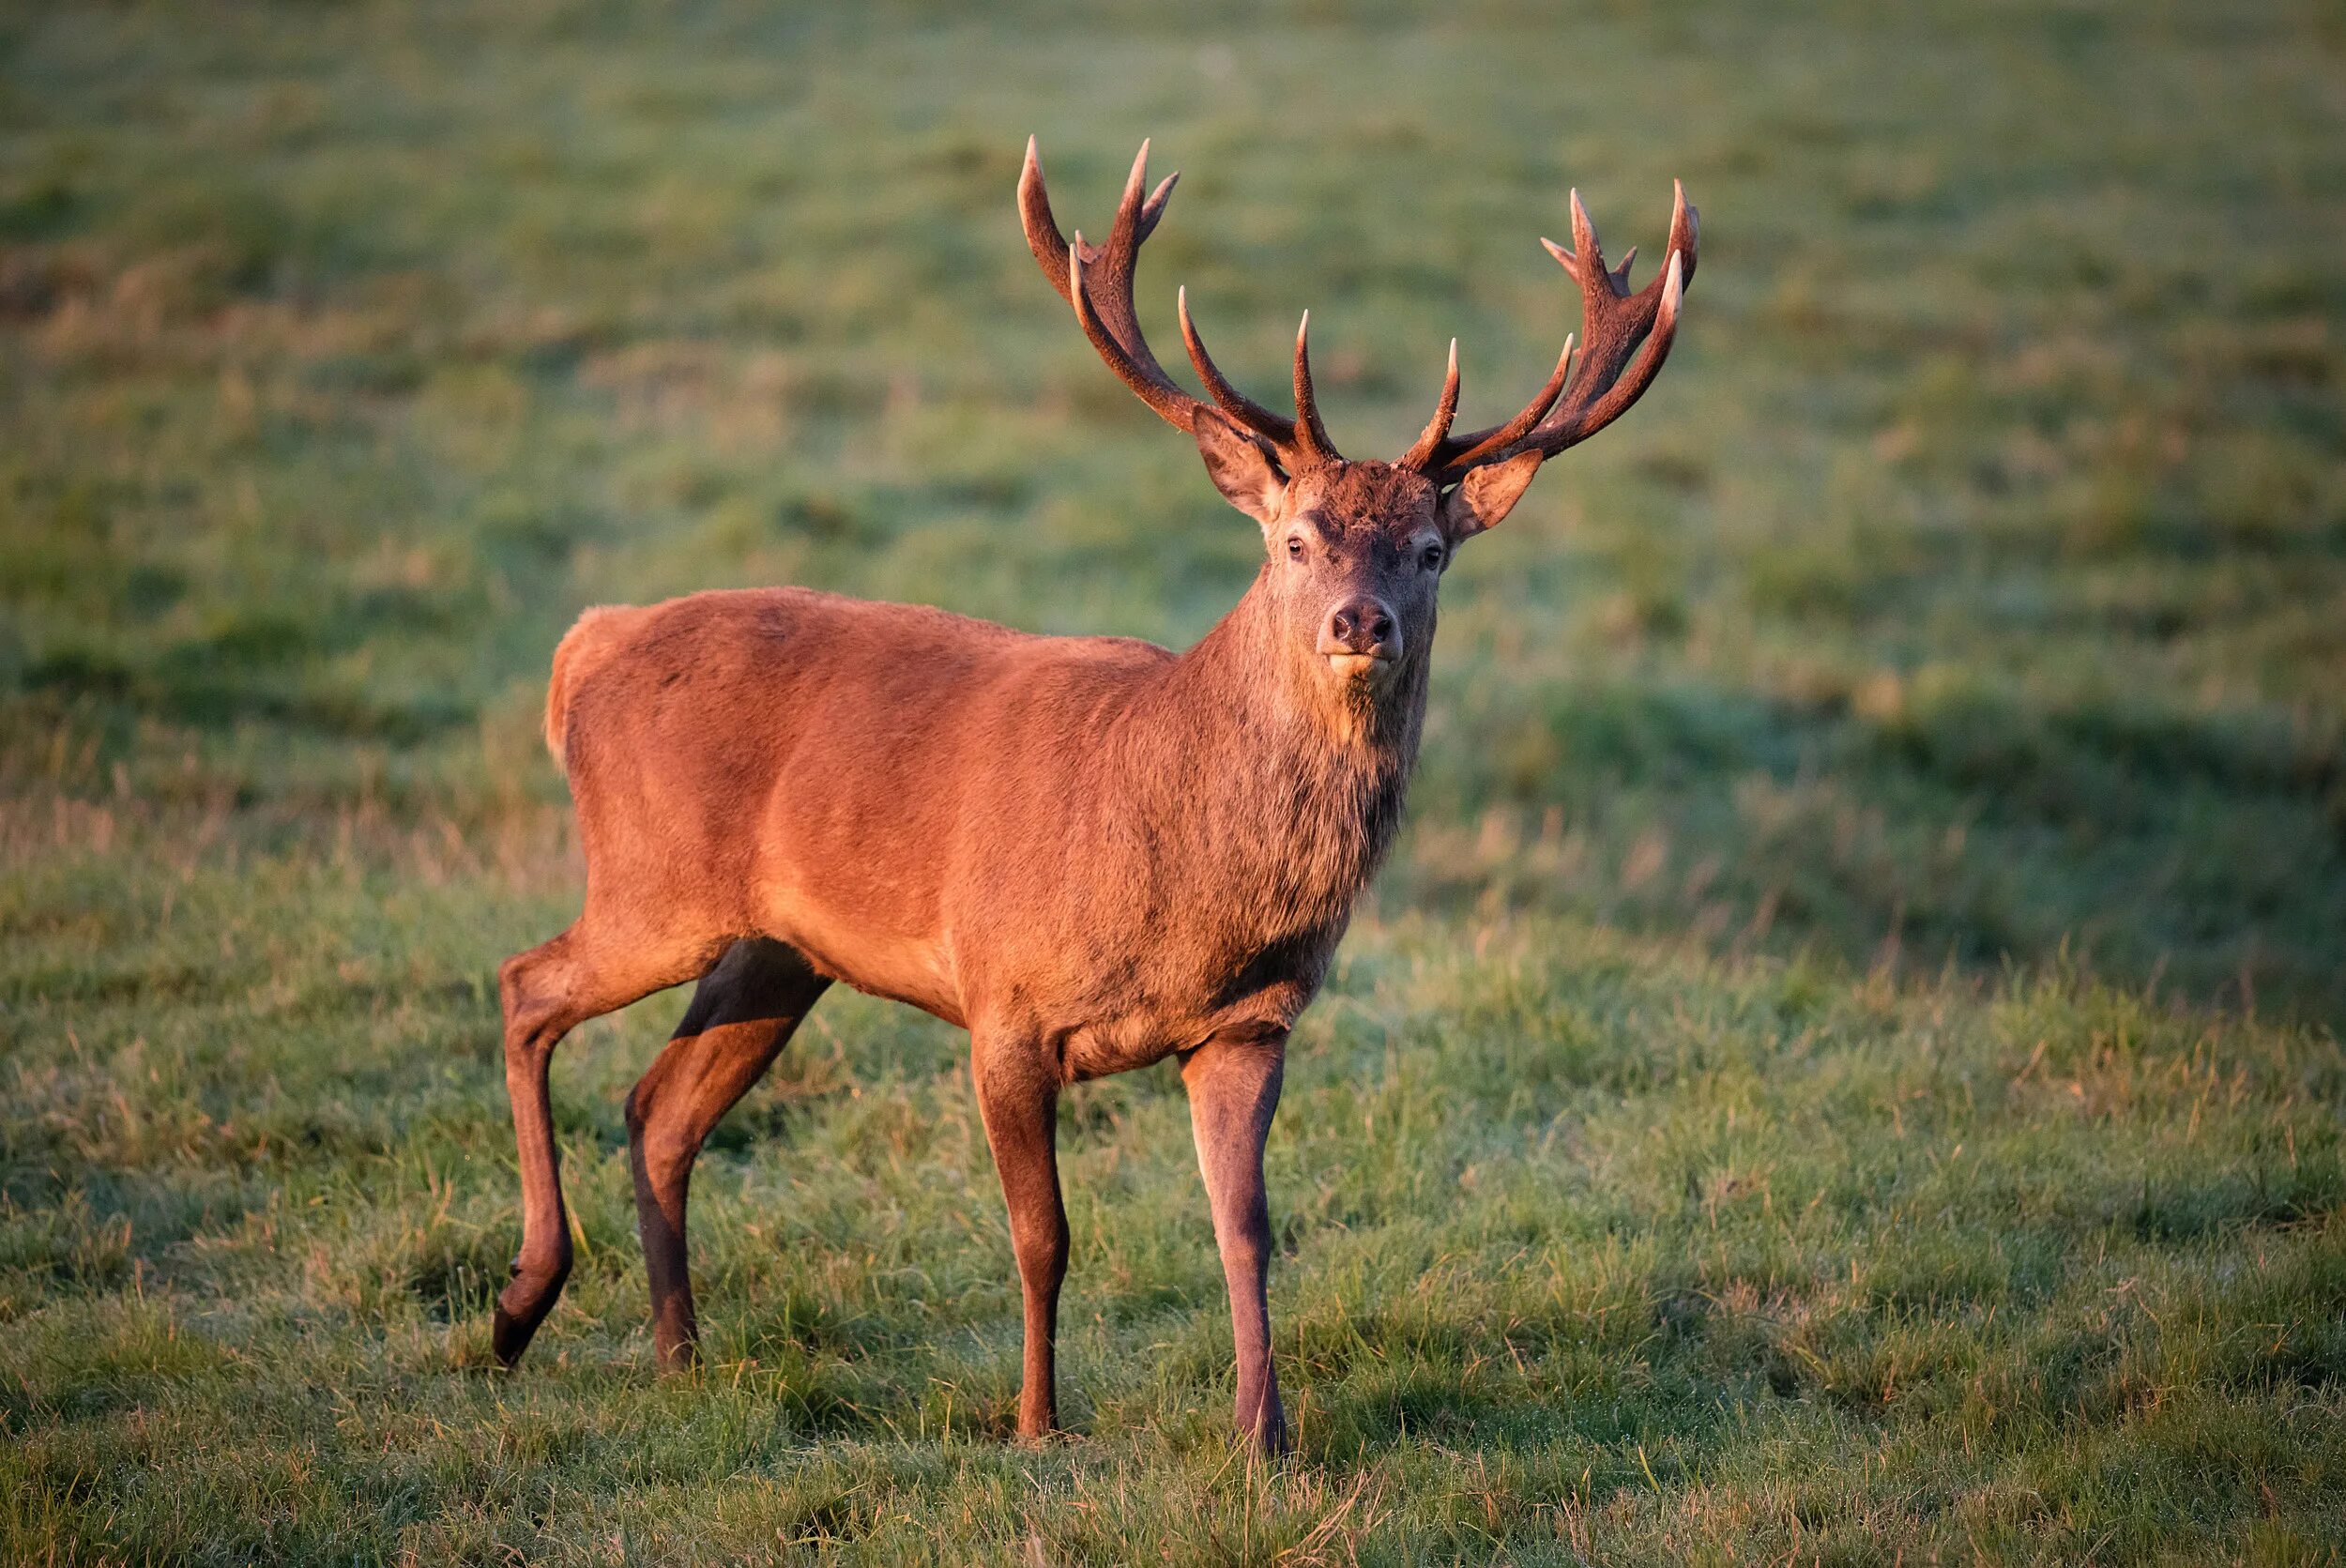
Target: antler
(1097, 282)
(1614, 323)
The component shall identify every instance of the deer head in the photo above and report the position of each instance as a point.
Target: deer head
(1357, 548)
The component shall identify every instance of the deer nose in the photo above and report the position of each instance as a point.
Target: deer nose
(1362, 627)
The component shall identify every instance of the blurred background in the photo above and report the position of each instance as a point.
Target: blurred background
(1973, 589)
(1844, 1059)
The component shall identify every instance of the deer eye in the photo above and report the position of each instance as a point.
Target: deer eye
(1431, 559)
(1295, 548)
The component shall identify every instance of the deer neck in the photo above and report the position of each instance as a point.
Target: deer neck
(1279, 693)
(1294, 784)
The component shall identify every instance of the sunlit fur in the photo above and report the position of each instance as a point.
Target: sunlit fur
(1092, 852)
(1092, 835)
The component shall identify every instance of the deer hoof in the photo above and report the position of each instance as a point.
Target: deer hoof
(509, 1336)
(522, 1305)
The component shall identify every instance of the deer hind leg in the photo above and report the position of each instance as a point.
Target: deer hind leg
(1018, 1099)
(592, 969)
(742, 1016)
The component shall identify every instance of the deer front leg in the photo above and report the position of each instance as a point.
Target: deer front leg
(1018, 1099)
(1233, 1084)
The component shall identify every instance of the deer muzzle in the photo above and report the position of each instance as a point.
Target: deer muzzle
(1361, 639)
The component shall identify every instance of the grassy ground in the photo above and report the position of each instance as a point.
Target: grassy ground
(1843, 1065)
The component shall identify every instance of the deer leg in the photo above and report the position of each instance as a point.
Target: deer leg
(1233, 1087)
(1018, 1099)
(742, 1016)
(547, 991)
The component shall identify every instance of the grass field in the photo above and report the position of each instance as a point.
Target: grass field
(1843, 1066)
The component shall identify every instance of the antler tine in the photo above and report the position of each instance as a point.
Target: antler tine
(1311, 436)
(1472, 451)
(1108, 269)
(1275, 428)
(1113, 275)
(1042, 232)
(1154, 209)
(1615, 325)
(1685, 229)
(1141, 372)
(1592, 249)
(1436, 429)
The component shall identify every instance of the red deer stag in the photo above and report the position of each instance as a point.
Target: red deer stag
(1090, 852)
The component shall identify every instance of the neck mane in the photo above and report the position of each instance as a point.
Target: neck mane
(1291, 786)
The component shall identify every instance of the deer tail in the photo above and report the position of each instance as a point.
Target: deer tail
(582, 650)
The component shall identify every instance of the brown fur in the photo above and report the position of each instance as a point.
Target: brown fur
(582, 650)
(1090, 852)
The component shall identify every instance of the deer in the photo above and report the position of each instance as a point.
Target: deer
(1091, 853)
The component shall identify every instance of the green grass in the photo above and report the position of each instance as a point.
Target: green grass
(1843, 1065)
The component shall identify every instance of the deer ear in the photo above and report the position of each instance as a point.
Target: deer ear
(1487, 495)
(1239, 466)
